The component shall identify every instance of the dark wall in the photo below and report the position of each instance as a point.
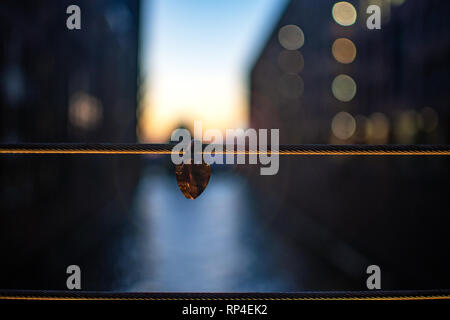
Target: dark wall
(357, 211)
(58, 85)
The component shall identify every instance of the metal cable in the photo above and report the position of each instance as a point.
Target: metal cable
(166, 149)
(189, 296)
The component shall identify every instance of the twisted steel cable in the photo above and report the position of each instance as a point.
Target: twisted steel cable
(166, 149)
(376, 295)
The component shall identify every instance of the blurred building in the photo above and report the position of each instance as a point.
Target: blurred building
(390, 82)
(60, 85)
(324, 77)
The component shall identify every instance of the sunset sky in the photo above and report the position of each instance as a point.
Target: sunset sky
(195, 57)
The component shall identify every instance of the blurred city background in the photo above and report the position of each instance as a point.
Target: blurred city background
(137, 70)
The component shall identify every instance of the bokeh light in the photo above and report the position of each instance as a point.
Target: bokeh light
(428, 120)
(377, 129)
(344, 50)
(397, 2)
(291, 37)
(344, 13)
(406, 126)
(85, 111)
(343, 125)
(361, 128)
(290, 86)
(344, 88)
(291, 61)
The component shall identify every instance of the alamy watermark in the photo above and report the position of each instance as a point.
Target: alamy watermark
(373, 282)
(73, 281)
(374, 20)
(73, 22)
(215, 153)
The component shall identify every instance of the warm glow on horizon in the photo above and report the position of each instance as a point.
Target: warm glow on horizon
(196, 56)
(179, 102)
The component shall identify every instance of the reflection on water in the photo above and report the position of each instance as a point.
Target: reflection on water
(214, 243)
(210, 244)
